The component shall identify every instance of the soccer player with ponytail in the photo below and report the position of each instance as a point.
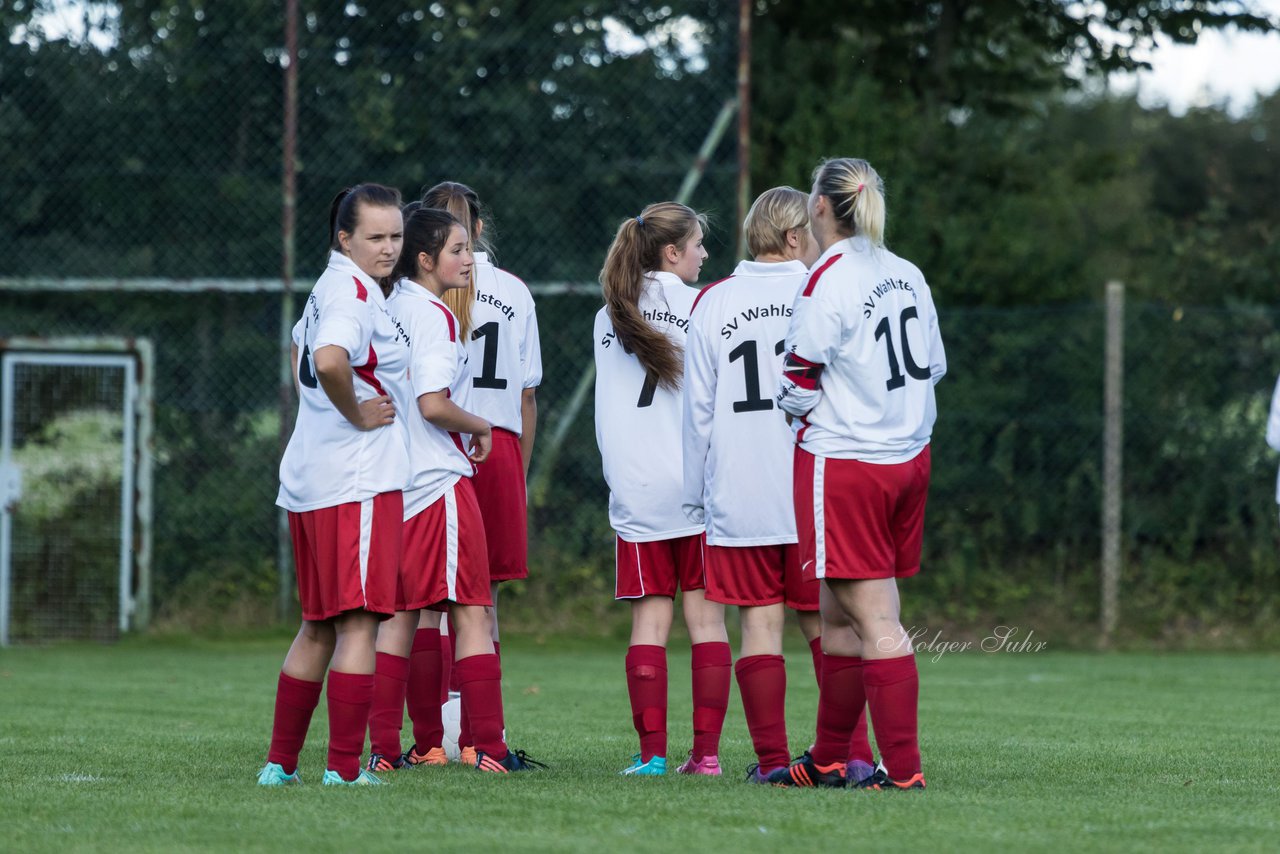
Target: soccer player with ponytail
(499, 325)
(862, 355)
(341, 479)
(639, 340)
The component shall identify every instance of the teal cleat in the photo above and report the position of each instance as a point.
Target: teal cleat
(655, 767)
(364, 778)
(272, 774)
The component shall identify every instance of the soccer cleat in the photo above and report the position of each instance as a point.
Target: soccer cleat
(707, 766)
(515, 760)
(755, 775)
(806, 773)
(272, 774)
(655, 767)
(467, 756)
(880, 779)
(378, 762)
(857, 771)
(364, 778)
(412, 758)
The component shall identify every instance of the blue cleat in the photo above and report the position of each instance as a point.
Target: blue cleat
(272, 774)
(655, 767)
(364, 778)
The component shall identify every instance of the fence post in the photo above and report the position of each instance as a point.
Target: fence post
(1112, 460)
(289, 190)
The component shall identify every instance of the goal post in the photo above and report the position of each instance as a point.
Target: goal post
(76, 453)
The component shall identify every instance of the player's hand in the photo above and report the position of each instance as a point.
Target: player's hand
(376, 412)
(481, 445)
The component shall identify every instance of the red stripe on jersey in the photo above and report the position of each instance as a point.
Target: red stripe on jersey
(707, 288)
(457, 437)
(813, 279)
(362, 293)
(366, 371)
(800, 434)
(448, 316)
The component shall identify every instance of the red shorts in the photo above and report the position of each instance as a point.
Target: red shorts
(445, 559)
(499, 486)
(760, 575)
(860, 520)
(660, 567)
(347, 557)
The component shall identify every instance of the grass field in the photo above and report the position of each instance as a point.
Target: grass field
(154, 745)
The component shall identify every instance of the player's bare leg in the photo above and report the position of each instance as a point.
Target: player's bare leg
(712, 671)
(891, 681)
(309, 654)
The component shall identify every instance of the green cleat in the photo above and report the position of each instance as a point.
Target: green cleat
(272, 774)
(364, 778)
(655, 767)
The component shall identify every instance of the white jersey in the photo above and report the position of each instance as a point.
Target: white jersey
(504, 346)
(328, 461)
(638, 424)
(863, 354)
(737, 445)
(437, 458)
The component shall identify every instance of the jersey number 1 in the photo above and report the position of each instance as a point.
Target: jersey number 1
(489, 364)
(746, 351)
(896, 379)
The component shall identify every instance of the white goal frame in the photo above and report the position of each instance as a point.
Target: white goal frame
(135, 358)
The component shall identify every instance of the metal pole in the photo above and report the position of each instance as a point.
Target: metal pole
(1112, 460)
(744, 120)
(284, 563)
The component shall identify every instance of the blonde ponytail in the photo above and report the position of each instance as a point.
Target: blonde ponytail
(857, 196)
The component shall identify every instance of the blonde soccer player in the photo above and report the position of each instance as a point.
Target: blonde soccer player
(639, 342)
(737, 465)
(445, 560)
(499, 324)
(341, 479)
(863, 353)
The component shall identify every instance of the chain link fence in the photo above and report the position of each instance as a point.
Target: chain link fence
(143, 144)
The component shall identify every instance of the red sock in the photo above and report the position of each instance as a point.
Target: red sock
(296, 699)
(860, 744)
(480, 681)
(815, 650)
(893, 692)
(425, 685)
(446, 659)
(386, 716)
(762, 682)
(712, 669)
(840, 701)
(647, 687)
(349, 697)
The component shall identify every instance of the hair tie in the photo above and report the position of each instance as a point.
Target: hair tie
(639, 220)
(859, 190)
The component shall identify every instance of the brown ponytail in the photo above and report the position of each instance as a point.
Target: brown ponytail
(636, 250)
(463, 202)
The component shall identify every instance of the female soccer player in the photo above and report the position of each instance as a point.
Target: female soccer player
(639, 339)
(444, 556)
(863, 352)
(737, 463)
(341, 479)
(499, 325)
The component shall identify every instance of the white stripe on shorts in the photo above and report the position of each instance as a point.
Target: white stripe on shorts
(819, 521)
(451, 542)
(366, 536)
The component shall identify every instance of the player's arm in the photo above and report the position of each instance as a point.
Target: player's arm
(699, 410)
(333, 370)
(813, 339)
(293, 361)
(443, 413)
(937, 355)
(528, 424)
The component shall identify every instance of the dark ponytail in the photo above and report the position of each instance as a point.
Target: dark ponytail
(344, 210)
(425, 230)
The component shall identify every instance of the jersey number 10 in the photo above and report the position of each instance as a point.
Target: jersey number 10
(896, 379)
